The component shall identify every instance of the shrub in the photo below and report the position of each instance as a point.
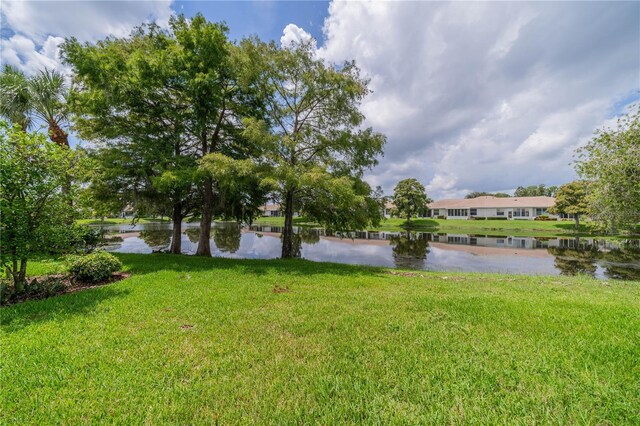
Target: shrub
(496, 218)
(97, 266)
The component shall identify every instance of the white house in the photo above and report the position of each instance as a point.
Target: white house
(273, 210)
(493, 207)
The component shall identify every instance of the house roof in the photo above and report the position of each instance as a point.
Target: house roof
(389, 205)
(488, 201)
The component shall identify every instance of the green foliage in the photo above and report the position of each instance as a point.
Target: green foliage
(610, 161)
(476, 194)
(25, 100)
(156, 103)
(535, 191)
(571, 198)
(34, 288)
(94, 267)
(410, 198)
(312, 147)
(35, 197)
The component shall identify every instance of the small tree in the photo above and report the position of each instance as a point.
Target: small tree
(572, 199)
(410, 198)
(34, 209)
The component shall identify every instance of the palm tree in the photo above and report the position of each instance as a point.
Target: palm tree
(15, 97)
(48, 99)
(25, 100)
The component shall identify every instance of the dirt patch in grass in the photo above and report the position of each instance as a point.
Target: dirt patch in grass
(405, 274)
(277, 289)
(45, 286)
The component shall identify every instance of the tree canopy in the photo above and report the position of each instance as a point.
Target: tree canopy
(610, 161)
(535, 191)
(410, 198)
(571, 198)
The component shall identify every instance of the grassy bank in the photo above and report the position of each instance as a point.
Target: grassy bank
(190, 340)
(121, 221)
(482, 227)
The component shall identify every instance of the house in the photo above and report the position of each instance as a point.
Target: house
(493, 207)
(388, 208)
(273, 210)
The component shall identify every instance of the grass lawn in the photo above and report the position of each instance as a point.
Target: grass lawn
(483, 227)
(190, 340)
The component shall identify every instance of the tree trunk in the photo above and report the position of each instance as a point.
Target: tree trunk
(19, 275)
(287, 232)
(204, 243)
(58, 135)
(577, 219)
(176, 238)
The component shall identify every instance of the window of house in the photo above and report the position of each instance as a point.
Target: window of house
(520, 212)
(541, 211)
(500, 212)
(473, 212)
(457, 212)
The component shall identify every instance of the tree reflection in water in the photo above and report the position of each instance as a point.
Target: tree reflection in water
(303, 235)
(575, 261)
(227, 237)
(410, 250)
(619, 263)
(156, 239)
(193, 234)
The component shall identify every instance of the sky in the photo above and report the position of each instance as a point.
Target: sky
(472, 96)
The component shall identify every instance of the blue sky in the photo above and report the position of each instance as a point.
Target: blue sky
(472, 96)
(266, 19)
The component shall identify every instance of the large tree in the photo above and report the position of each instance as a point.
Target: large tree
(159, 101)
(34, 209)
(571, 198)
(410, 198)
(610, 161)
(127, 100)
(25, 101)
(312, 143)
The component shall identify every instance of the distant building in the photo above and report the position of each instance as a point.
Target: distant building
(273, 210)
(388, 208)
(493, 207)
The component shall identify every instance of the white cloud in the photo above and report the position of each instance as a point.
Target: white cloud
(22, 52)
(486, 96)
(293, 35)
(39, 27)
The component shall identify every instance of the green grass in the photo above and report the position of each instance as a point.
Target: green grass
(483, 227)
(120, 221)
(346, 344)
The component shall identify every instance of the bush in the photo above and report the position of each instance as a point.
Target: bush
(37, 288)
(496, 218)
(97, 266)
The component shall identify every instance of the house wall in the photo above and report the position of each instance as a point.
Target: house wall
(493, 213)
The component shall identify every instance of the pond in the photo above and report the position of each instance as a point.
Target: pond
(409, 250)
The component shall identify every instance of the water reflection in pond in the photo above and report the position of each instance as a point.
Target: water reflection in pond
(415, 250)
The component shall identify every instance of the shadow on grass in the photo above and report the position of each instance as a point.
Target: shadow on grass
(58, 308)
(139, 264)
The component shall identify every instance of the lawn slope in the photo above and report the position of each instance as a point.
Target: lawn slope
(190, 340)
